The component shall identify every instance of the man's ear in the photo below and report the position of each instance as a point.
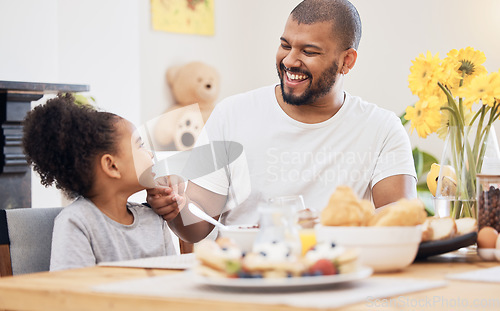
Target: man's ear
(109, 167)
(349, 59)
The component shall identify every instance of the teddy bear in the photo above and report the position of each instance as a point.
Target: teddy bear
(195, 87)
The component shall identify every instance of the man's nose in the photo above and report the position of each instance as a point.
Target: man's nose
(292, 59)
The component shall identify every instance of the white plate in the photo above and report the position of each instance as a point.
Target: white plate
(281, 283)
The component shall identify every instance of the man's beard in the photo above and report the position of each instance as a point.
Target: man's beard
(313, 92)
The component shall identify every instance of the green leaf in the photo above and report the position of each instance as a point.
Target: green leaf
(418, 159)
(426, 197)
(430, 211)
(422, 187)
(429, 159)
(402, 118)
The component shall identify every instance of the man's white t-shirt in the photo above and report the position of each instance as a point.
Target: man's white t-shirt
(358, 147)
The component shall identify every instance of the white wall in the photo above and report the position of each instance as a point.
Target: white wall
(242, 49)
(67, 41)
(28, 40)
(396, 32)
(111, 46)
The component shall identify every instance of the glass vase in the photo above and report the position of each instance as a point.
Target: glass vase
(462, 159)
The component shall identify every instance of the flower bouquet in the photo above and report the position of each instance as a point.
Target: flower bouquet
(459, 100)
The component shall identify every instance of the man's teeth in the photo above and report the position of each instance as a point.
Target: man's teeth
(292, 76)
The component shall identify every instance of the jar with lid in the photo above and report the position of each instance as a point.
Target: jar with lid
(488, 201)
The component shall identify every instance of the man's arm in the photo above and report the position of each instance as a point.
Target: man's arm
(191, 228)
(170, 204)
(393, 188)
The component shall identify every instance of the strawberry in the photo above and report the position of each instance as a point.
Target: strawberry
(323, 267)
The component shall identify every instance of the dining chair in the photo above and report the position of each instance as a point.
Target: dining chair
(185, 247)
(25, 239)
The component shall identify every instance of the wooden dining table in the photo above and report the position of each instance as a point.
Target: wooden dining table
(73, 290)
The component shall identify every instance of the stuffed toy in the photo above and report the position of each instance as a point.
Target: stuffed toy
(195, 87)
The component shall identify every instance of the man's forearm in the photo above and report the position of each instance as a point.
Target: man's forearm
(191, 233)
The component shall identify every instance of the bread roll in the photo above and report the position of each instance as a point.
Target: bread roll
(442, 228)
(427, 231)
(401, 213)
(466, 225)
(344, 209)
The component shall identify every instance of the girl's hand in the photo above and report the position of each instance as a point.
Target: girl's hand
(168, 198)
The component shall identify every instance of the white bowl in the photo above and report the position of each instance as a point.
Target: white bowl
(385, 249)
(242, 235)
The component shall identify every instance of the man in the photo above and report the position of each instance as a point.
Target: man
(304, 136)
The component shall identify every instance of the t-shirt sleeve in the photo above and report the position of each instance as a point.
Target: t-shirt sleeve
(70, 246)
(395, 157)
(230, 175)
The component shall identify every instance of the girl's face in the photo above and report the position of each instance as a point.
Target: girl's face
(136, 161)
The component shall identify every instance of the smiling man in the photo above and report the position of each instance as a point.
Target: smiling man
(305, 135)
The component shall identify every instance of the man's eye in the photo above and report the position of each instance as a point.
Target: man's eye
(310, 53)
(284, 46)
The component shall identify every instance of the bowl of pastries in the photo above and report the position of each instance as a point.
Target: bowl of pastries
(387, 239)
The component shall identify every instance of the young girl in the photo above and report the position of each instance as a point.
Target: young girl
(97, 158)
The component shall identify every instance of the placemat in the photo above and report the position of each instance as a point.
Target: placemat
(182, 285)
(176, 262)
(491, 275)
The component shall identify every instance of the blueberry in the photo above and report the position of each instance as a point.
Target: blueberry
(333, 245)
(224, 249)
(263, 254)
(244, 275)
(318, 273)
(275, 242)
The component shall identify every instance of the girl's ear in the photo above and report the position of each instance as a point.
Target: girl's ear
(109, 167)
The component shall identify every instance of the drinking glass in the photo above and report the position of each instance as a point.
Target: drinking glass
(301, 219)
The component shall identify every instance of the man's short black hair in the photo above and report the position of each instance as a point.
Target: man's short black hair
(343, 15)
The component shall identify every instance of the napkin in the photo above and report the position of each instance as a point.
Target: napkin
(182, 285)
(177, 262)
(482, 275)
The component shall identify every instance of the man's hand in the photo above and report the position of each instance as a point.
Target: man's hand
(168, 199)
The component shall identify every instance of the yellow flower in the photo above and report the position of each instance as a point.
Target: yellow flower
(496, 80)
(425, 117)
(483, 88)
(424, 74)
(470, 62)
(495, 84)
(450, 75)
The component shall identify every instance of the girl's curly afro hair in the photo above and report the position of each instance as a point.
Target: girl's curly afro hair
(62, 141)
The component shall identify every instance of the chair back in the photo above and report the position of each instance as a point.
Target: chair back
(26, 239)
